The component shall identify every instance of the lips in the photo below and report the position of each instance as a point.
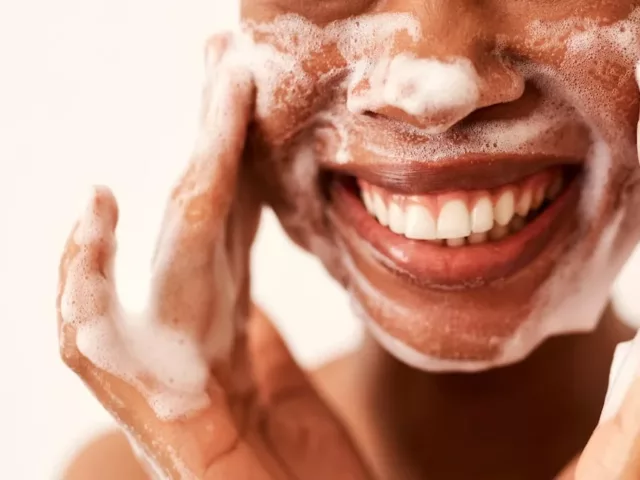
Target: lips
(459, 237)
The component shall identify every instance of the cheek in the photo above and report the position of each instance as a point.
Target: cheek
(286, 100)
(588, 66)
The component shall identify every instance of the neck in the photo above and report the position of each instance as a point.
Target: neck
(552, 400)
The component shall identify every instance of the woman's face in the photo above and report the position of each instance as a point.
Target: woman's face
(466, 169)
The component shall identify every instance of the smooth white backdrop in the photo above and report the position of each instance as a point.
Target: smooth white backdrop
(107, 92)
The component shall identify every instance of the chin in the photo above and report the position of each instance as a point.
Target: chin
(443, 286)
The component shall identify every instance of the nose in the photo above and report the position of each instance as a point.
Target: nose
(441, 75)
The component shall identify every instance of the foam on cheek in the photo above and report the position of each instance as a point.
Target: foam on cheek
(573, 299)
(596, 48)
(278, 60)
(597, 51)
(292, 40)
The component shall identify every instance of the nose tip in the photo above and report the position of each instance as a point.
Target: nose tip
(430, 94)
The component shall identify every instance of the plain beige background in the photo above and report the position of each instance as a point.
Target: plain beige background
(106, 91)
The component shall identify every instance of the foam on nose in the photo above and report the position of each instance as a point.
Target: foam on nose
(422, 87)
(429, 86)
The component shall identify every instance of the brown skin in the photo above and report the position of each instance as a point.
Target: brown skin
(525, 421)
(467, 324)
(495, 435)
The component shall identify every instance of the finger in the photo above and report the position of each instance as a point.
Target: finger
(204, 445)
(190, 263)
(85, 288)
(300, 428)
(613, 448)
(92, 344)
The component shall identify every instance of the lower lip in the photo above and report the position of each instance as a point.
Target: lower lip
(433, 265)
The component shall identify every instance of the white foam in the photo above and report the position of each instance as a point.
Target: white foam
(493, 136)
(276, 51)
(169, 367)
(130, 350)
(420, 87)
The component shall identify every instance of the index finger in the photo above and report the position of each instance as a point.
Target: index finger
(187, 254)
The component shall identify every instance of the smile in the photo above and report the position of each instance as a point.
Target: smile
(457, 237)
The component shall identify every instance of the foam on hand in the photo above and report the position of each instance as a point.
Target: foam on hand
(166, 366)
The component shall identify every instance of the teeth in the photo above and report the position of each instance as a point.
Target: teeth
(456, 242)
(380, 210)
(538, 198)
(498, 232)
(482, 216)
(368, 203)
(505, 208)
(419, 223)
(517, 223)
(396, 218)
(555, 188)
(524, 203)
(476, 238)
(467, 219)
(453, 221)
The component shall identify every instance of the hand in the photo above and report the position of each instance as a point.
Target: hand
(613, 452)
(202, 383)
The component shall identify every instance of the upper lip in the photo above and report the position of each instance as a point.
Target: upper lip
(467, 172)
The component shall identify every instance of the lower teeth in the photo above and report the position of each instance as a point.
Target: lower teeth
(497, 233)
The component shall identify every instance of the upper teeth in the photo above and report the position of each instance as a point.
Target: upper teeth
(461, 216)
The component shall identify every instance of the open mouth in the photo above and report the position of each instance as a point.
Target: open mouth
(457, 238)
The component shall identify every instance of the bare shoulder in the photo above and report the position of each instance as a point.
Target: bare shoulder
(107, 457)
